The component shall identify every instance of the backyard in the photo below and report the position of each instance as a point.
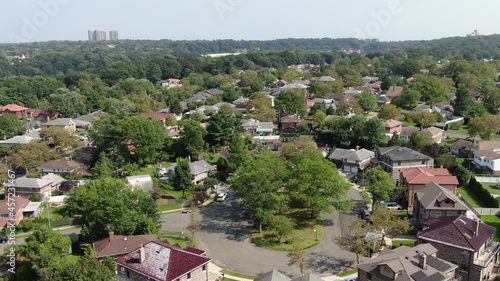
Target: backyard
(471, 198)
(495, 222)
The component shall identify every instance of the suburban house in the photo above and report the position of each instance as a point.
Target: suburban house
(465, 242)
(392, 126)
(407, 132)
(275, 275)
(396, 158)
(290, 123)
(410, 264)
(435, 201)
(18, 140)
(437, 135)
(296, 85)
(90, 118)
(488, 161)
(418, 178)
(394, 91)
(352, 160)
(23, 208)
(67, 124)
(202, 96)
(44, 116)
(17, 110)
(200, 170)
(241, 103)
(161, 261)
(27, 186)
(61, 166)
(466, 148)
(169, 83)
(383, 100)
(326, 79)
(255, 127)
(162, 117)
(144, 182)
(118, 245)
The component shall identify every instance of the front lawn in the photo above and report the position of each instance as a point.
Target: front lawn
(237, 274)
(463, 130)
(304, 232)
(178, 238)
(495, 222)
(470, 198)
(72, 258)
(398, 243)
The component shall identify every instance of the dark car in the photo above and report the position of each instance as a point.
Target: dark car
(365, 214)
(3, 239)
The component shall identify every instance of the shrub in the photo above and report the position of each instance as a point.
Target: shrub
(456, 125)
(26, 225)
(482, 193)
(36, 197)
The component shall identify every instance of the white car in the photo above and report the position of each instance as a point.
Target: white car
(221, 196)
(393, 205)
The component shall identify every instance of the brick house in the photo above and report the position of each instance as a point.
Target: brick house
(418, 178)
(62, 167)
(161, 261)
(27, 186)
(162, 117)
(118, 245)
(44, 116)
(396, 158)
(200, 170)
(19, 203)
(435, 201)
(465, 242)
(436, 134)
(392, 126)
(404, 263)
(14, 109)
(290, 123)
(394, 91)
(352, 161)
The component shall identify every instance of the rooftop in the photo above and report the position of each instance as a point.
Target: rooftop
(398, 153)
(115, 245)
(433, 194)
(427, 175)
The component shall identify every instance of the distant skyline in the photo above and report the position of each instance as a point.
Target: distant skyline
(386, 20)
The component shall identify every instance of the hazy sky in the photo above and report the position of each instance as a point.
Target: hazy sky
(43, 20)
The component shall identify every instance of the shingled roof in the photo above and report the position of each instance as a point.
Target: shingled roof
(398, 153)
(116, 245)
(427, 175)
(433, 193)
(456, 231)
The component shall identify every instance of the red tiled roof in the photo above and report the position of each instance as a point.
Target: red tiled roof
(427, 175)
(157, 115)
(12, 107)
(456, 231)
(162, 261)
(394, 91)
(39, 112)
(194, 250)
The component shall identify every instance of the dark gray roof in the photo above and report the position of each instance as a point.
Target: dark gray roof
(351, 154)
(433, 193)
(398, 153)
(308, 277)
(273, 275)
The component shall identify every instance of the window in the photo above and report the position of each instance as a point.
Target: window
(368, 276)
(189, 275)
(423, 162)
(204, 267)
(122, 269)
(399, 163)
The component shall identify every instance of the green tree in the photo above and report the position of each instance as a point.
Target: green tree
(239, 152)
(315, 182)
(68, 103)
(260, 108)
(367, 101)
(298, 257)
(374, 133)
(192, 137)
(319, 119)
(387, 222)
(354, 240)
(33, 155)
(419, 141)
(104, 206)
(181, 179)
(104, 167)
(389, 111)
(60, 138)
(408, 99)
(257, 182)
(395, 140)
(282, 227)
(433, 89)
(221, 127)
(379, 183)
(88, 268)
(291, 102)
(11, 126)
(486, 127)
(343, 108)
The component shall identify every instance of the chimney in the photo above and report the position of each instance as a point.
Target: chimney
(357, 147)
(142, 254)
(422, 260)
(111, 235)
(476, 233)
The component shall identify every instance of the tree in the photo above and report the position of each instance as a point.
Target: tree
(68, 103)
(367, 101)
(298, 257)
(60, 138)
(387, 222)
(419, 141)
(104, 167)
(257, 182)
(282, 227)
(319, 119)
(343, 108)
(181, 179)
(374, 133)
(260, 108)
(315, 182)
(389, 111)
(380, 183)
(354, 240)
(221, 127)
(88, 268)
(491, 99)
(486, 127)
(446, 160)
(408, 99)
(105, 206)
(239, 152)
(291, 102)
(395, 140)
(433, 89)
(192, 137)
(32, 155)
(11, 126)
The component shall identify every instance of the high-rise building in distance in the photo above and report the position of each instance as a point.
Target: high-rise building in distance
(97, 35)
(113, 35)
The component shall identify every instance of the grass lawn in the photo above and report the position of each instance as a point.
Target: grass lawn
(463, 130)
(403, 215)
(348, 272)
(495, 222)
(168, 207)
(398, 243)
(408, 123)
(55, 213)
(470, 198)
(178, 238)
(303, 232)
(72, 258)
(173, 194)
(236, 274)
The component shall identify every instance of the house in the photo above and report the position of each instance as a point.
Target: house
(162, 117)
(161, 261)
(407, 132)
(144, 182)
(119, 245)
(326, 79)
(488, 161)
(19, 209)
(43, 116)
(396, 158)
(27, 186)
(418, 178)
(241, 103)
(202, 96)
(255, 127)
(466, 148)
(200, 170)
(18, 140)
(67, 124)
(292, 86)
(54, 179)
(62, 167)
(410, 264)
(290, 123)
(392, 126)
(383, 100)
(169, 83)
(465, 242)
(351, 92)
(436, 134)
(89, 118)
(352, 161)
(394, 91)
(275, 275)
(435, 201)
(17, 110)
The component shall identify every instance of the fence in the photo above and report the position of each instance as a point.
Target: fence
(487, 211)
(488, 179)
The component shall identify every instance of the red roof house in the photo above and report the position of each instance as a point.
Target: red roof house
(19, 111)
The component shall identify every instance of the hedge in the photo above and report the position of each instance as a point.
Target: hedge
(482, 193)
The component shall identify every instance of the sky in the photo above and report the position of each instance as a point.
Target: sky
(386, 20)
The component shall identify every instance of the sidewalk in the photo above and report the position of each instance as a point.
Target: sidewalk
(209, 200)
(213, 268)
(338, 278)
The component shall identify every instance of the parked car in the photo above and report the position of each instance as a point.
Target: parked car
(365, 214)
(186, 211)
(3, 239)
(393, 205)
(221, 196)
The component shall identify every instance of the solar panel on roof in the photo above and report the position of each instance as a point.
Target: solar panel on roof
(419, 276)
(435, 277)
(437, 264)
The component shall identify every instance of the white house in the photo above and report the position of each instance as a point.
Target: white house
(144, 182)
(488, 161)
